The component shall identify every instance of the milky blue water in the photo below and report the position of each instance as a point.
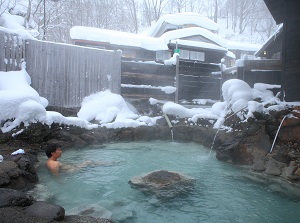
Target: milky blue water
(223, 192)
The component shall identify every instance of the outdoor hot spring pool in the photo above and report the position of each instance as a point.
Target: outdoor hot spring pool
(222, 192)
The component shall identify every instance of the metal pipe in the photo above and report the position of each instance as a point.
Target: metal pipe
(277, 134)
(168, 121)
(177, 78)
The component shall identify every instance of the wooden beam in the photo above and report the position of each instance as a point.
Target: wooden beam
(262, 65)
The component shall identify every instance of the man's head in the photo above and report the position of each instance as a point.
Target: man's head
(52, 149)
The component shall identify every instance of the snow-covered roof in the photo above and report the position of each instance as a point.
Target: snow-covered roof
(196, 44)
(179, 19)
(269, 40)
(194, 31)
(149, 43)
(117, 38)
(161, 43)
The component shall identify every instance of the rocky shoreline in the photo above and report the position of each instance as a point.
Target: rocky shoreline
(246, 143)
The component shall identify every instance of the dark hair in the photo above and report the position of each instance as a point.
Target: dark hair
(51, 149)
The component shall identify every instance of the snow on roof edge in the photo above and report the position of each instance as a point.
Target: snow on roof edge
(267, 42)
(202, 45)
(194, 31)
(183, 19)
(113, 37)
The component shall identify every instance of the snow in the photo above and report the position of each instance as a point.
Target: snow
(105, 107)
(13, 23)
(149, 43)
(239, 63)
(202, 27)
(166, 89)
(230, 54)
(113, 37)
(234, 45)
(172, 60)
(270, 39)
(194, 31)
(19, 151)
(235, 90)
(22, 33)
(197, 44)
(182, 19)
(20, 103)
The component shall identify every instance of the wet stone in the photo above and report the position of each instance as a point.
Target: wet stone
(163, 184)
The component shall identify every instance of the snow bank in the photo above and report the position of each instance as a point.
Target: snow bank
(105, 107)
(171, 108)
(236, 94)
(20, 103)
(112, 111)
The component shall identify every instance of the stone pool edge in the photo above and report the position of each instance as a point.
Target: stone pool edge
(248, 145)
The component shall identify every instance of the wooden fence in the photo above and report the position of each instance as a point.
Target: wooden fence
(197, 81)
(65, 74)
(145, 80)
(12, 51)
(260, 71)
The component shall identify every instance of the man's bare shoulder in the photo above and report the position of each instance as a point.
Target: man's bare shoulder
(53, 166)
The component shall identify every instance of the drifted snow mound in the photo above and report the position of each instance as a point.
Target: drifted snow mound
(105, 107)
(112, 111)
(236, 94)
(20, 103)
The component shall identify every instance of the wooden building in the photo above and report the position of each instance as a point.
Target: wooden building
(287, 12)
(272, 48)
(205, 49)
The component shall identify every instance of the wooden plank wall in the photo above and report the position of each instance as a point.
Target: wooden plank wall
(12, 51)
(140, 79)
(262, 76)
(261, 71)
(195, 80)
(65, 74)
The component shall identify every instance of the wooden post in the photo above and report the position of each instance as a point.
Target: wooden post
(117, 72)
(221, 80)
(2, 52)
(177, 78)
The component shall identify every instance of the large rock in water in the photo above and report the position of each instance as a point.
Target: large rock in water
(163, 184)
